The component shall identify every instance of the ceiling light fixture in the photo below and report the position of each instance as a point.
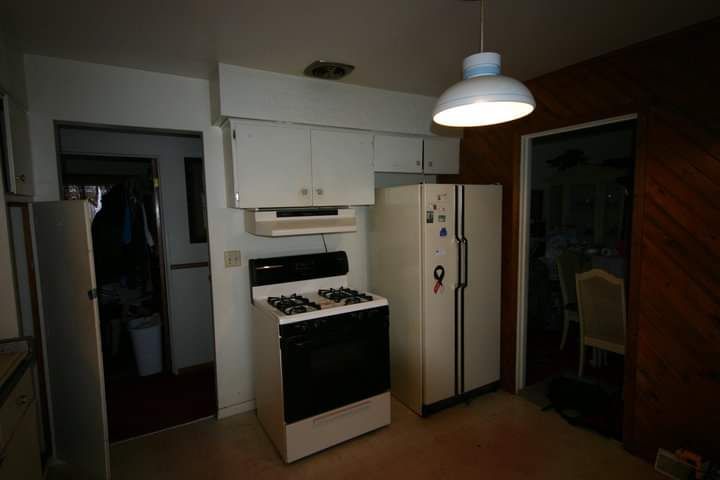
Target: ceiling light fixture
(483, 97)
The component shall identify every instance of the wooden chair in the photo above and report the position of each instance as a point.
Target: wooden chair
(568, 264)
(601, 305)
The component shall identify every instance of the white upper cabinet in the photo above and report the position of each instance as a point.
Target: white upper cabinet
(16, 139)
(270, 165)
(342, 168)
(398, 154)
(441, 155)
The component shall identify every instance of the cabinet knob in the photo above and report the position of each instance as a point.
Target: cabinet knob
(417, 163)
(304, 191)
(430, 164)
(23, 400)
(20, 178)
(319, 191)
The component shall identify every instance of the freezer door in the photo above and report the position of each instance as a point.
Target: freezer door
(395, 232)
(439, 283)
(481, 322)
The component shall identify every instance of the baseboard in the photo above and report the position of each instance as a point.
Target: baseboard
(195, 368)
(231, 410)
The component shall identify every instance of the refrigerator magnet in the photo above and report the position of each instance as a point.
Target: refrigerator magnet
(429, 216)
(443, 232)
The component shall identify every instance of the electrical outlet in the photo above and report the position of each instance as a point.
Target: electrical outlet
(233, 258)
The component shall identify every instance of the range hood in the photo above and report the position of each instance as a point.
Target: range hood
(310, 221)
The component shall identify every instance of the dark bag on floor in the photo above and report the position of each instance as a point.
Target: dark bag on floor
(587, 403)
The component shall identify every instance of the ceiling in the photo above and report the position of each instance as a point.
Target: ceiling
(406, 45)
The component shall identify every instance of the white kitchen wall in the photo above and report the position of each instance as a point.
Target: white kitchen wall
(397, 179)
(73, 91)
(191, 330)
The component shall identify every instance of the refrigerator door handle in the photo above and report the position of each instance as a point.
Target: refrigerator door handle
(464, 254)
(459, 256)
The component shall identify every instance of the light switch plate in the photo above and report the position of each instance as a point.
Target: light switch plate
(233, 258)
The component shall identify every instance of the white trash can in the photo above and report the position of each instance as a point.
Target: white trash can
(146, 334)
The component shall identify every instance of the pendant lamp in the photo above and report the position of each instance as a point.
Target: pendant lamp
(483, 97)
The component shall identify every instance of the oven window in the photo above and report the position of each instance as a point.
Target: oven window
(343, 362)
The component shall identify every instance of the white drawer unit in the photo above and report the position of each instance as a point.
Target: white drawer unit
(441, 155)
(274, 165)
(19, 444)
(397, 154)
(21, 457)
(14, 407)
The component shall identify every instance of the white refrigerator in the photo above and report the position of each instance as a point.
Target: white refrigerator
(435, 254)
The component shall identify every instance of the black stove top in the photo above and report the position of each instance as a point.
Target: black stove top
(347, 296)
(293, 304)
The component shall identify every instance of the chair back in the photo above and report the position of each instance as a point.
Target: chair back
(601, 305)
(568, 264)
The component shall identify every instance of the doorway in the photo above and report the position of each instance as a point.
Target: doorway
(145, 193)
(576, 197)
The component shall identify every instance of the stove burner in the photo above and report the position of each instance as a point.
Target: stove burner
(345, 295)
(293, 304)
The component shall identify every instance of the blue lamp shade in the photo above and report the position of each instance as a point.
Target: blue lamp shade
(484, 97)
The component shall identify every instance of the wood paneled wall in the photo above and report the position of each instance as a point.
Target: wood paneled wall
(672, 384)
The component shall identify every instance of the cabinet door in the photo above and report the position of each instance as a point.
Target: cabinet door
(21, 458)
(398, 154)
(271, 165)
(18, 164)
(441, 156)
(342, 168)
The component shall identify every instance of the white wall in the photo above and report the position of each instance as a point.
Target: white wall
(396, 179)
(81, 92)
(188, 292)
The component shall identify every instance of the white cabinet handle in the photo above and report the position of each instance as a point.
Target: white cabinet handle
(20, 178)
(319, 191)
(417, 163)
(304, 192)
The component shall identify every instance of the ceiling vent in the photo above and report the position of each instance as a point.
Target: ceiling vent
(328, 70)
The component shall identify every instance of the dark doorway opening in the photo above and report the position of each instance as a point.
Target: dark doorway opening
(154, 377)
(580, 221)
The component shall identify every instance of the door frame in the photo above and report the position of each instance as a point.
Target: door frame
(524, 194)
(160, 233)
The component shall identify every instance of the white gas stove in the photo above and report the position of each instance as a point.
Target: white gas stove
(321, 353)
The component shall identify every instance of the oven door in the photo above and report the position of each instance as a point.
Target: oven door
(334, 361)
